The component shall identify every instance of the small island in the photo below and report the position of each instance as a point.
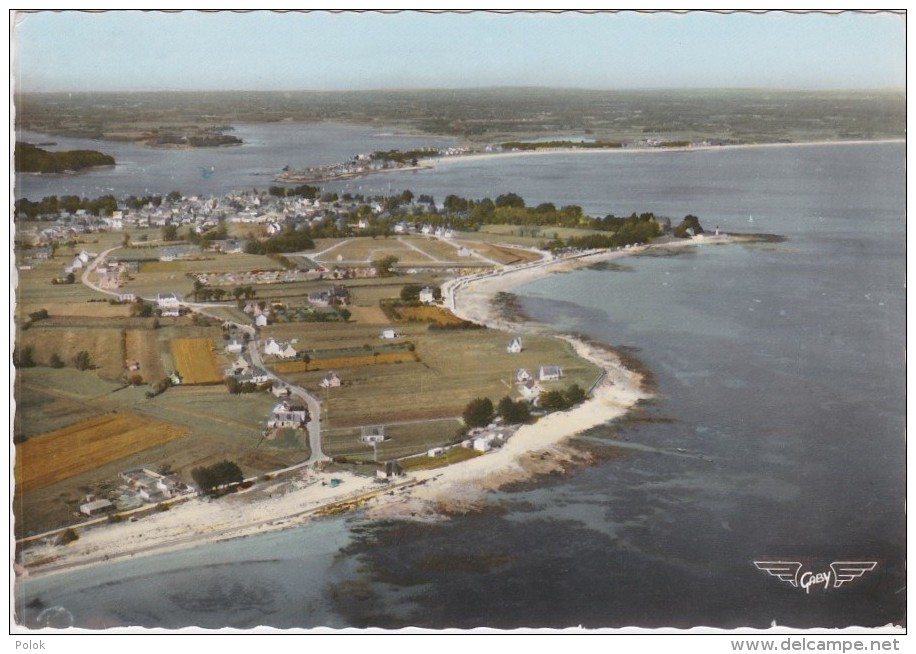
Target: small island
(32, 159)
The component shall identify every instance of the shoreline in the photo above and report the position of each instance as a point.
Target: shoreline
(432, 163)
(280, 504)
(481, 156)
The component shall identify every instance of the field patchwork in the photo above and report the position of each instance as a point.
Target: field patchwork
(85, 446)
(195, 361)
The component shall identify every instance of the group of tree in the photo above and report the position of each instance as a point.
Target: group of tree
(29, 158)
(632, 231)
(385, 266)
(289, 240)
(562, 400)
(410, 293)
(54, 206)
(170, 232)
(304, 191)
(411, 156)
(480, 412)
(203, 293)
(540, 145)
(83, 361)
(210, 478)
(236, 387)
(689, 226)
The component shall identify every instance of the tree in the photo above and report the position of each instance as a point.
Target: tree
(210, 478)
(83, 361)
(24, 358)
(173, 196)
(510, 200)
(384, 267)
(513, 412)
(690, 226)
(478, 412)
(170, 233)
(553, 401)
(575, 395)
(410, 293)
(55, 361)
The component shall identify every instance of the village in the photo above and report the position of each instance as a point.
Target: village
(345, 356)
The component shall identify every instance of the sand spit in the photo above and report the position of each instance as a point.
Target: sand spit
(295, 498)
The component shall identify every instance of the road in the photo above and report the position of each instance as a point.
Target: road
(314, 406)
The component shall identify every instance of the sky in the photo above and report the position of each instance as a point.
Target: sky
(131, 50)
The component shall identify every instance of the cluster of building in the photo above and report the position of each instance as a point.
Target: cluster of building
(138, 487)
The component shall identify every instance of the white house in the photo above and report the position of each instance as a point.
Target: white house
(279, 349)
(261, 320)
(427, 295)
(372, 434)
(286, 414)
(168, 304)
(330, 380)
(482, 444)
(234, 346)
(530, 390)
(515, 345)
(550, 373)
(280, 391)
(96, 507)
(389, 333)
(522, 376)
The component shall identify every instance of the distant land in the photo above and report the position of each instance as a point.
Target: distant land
(723, 117)
(32, 159)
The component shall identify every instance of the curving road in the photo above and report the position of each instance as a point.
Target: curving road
(314, 406)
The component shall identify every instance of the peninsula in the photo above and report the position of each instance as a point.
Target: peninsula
(165, 332)
(32, 159)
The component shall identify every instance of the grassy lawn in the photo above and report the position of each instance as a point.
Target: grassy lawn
(454, 368)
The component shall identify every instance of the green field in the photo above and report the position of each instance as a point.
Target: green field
(455, 367)
(400, 440)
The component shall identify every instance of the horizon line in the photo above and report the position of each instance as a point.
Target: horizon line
(407, 89)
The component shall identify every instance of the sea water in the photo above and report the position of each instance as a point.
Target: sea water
(777, 431)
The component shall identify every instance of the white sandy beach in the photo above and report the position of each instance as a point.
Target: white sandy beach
(483, 156)
(294, 499)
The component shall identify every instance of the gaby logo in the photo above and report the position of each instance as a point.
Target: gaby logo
(840, 572)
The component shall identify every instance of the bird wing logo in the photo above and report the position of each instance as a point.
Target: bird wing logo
(844, 571)
(791, 572)
(783, 570)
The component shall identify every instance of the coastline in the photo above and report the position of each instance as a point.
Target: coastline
(534, 449)
(481, 156)
(434, 162)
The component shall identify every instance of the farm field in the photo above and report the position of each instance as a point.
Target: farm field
(454, 367)
(212, 263)
(63, 453)
(410, 251)
(313, 336)
(195, 361)
(429, 314)
(51, 398)
(329, 361)
(217, 425)
(104, 345)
